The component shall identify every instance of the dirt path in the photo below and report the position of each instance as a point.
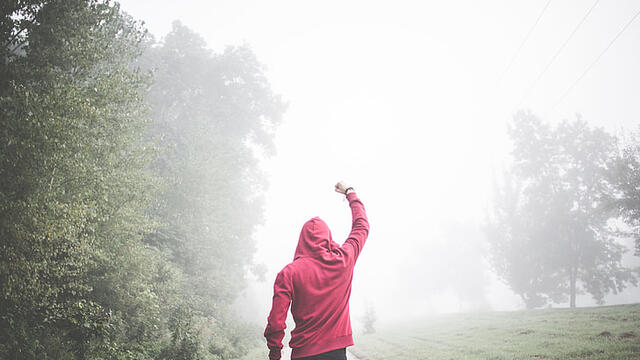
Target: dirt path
(351, 356)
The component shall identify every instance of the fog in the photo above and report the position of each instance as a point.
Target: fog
(409, 103)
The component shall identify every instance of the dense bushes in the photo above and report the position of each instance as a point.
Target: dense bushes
(119, 227)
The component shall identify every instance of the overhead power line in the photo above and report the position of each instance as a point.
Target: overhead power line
(635, 16)
(555, 56)
(524, 41)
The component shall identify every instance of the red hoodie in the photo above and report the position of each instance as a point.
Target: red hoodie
(317, 284)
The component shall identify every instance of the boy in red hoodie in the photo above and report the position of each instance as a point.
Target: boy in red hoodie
(317, 284)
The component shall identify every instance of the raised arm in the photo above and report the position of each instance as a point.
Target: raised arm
(276, 322)
(359, 222)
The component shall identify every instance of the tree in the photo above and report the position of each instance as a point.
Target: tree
(369, 319)
(213, 112)
(549, 230)
(121, 240)
(625, 175)
(76, 280)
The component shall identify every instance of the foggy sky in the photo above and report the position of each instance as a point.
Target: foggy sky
(408, 102)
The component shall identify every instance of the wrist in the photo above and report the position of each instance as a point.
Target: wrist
(348, 191)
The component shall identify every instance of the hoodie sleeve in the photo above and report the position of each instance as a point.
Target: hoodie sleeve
(282, 292)
(359, 228)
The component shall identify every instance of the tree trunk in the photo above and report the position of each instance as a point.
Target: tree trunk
(572, 287)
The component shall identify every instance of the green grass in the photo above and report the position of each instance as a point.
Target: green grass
(604, 333)
(610, 332)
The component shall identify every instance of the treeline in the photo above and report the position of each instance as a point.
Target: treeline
(570, 194)
(128, 185)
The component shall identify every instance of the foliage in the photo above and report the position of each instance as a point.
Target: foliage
(116, 244)
(625, 176)
(73, 183)
(213, 112)
(549, 230)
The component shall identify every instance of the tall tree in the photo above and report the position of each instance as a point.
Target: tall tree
(111, 248)
(549, 229)
(76, 280)
(214, 113)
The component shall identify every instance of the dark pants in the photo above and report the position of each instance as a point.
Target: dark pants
(340, 354)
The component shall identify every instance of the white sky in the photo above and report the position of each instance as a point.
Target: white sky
(406, 101)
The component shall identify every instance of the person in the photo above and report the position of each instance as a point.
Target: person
(317, 285)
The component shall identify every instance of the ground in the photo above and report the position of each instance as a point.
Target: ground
(604, 333)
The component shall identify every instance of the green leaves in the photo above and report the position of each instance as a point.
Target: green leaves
(126, 226)
(74, 178)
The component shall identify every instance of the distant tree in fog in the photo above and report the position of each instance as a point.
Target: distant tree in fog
(625, 176)
(369, 319)
(213, 112)
(548, 227)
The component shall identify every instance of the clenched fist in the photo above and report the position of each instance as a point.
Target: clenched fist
(343, 188)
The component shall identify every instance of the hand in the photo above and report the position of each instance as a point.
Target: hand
(343, 188)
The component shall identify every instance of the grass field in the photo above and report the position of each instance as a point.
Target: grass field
(609, 332)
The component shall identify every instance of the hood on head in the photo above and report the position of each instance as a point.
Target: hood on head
(315, 239)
